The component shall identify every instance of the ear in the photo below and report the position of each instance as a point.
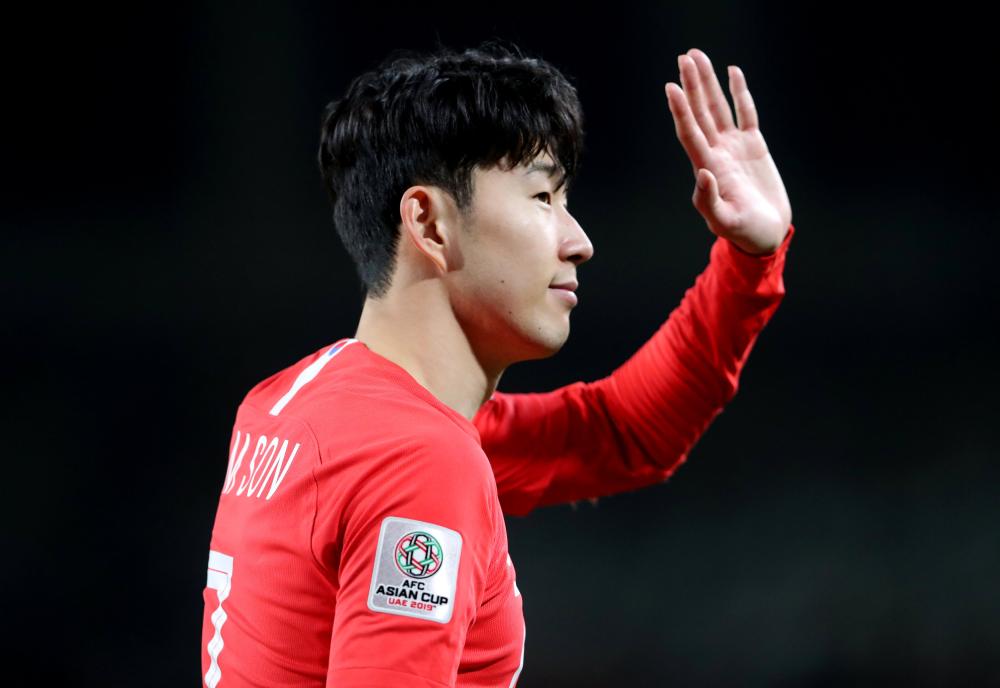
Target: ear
(429, 223)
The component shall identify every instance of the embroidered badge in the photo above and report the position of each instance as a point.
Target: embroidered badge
(416, 569)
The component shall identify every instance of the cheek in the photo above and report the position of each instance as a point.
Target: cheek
(508, 265)
(502, 291)
(485, 288)
(518, 282)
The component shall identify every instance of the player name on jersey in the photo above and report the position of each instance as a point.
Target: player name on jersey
(266, 470)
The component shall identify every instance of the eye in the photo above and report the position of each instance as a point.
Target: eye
(547, 195)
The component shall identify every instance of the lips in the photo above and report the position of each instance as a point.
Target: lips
(568, 286)
(565, 293)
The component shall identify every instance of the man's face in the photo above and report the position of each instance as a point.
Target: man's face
(520, 241)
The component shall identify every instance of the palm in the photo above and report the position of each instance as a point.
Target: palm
(739, 193)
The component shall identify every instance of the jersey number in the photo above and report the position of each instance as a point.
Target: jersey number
(220, 579)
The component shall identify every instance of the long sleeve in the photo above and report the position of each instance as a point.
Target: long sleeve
(634, 427)
(416, 553)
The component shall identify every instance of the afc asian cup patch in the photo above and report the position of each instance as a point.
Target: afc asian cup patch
(416, 569)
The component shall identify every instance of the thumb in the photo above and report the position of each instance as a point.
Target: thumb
(706, 196)
(704, 182)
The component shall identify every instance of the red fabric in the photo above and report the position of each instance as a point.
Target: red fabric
(362, 440)
(372, 443)
(634, 427)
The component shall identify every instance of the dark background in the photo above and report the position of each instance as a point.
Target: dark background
(167, 244)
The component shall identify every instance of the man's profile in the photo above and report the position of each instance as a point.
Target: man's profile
(359, 539)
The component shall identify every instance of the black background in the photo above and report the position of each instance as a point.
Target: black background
(167, 244)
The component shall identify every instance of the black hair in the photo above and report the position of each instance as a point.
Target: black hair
(431, 119)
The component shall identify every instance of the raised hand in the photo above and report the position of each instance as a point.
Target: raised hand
(737, 186)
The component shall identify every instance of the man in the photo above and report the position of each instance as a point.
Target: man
(359, 539)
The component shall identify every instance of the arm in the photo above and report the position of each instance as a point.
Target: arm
(636, 426)
(410, 551)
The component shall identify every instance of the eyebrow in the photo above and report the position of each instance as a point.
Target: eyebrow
(551, 170)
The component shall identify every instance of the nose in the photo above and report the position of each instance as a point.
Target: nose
(575, 245)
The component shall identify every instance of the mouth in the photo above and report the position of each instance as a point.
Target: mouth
(565, 293)
(568, 286)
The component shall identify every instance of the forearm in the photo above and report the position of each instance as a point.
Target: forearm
(666, 395)
(634, 427)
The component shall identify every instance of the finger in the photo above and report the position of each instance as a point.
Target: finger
(746, 112)
(715, 99)
(688, 132)
(691, 82)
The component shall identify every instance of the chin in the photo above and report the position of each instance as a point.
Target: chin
(550, 345)
(535, 339)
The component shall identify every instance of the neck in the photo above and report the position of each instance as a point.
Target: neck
(416, 328)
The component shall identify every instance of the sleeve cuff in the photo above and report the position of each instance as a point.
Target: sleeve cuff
(745, 271)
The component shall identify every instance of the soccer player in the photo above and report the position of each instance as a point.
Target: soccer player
(359, 538)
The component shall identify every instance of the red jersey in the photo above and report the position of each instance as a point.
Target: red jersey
(359, 539)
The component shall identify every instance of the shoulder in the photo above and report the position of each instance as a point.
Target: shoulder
(394, 428)
(376, 449)
(432, 452)
(370, 432)
(439, 472)
(443, 448)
